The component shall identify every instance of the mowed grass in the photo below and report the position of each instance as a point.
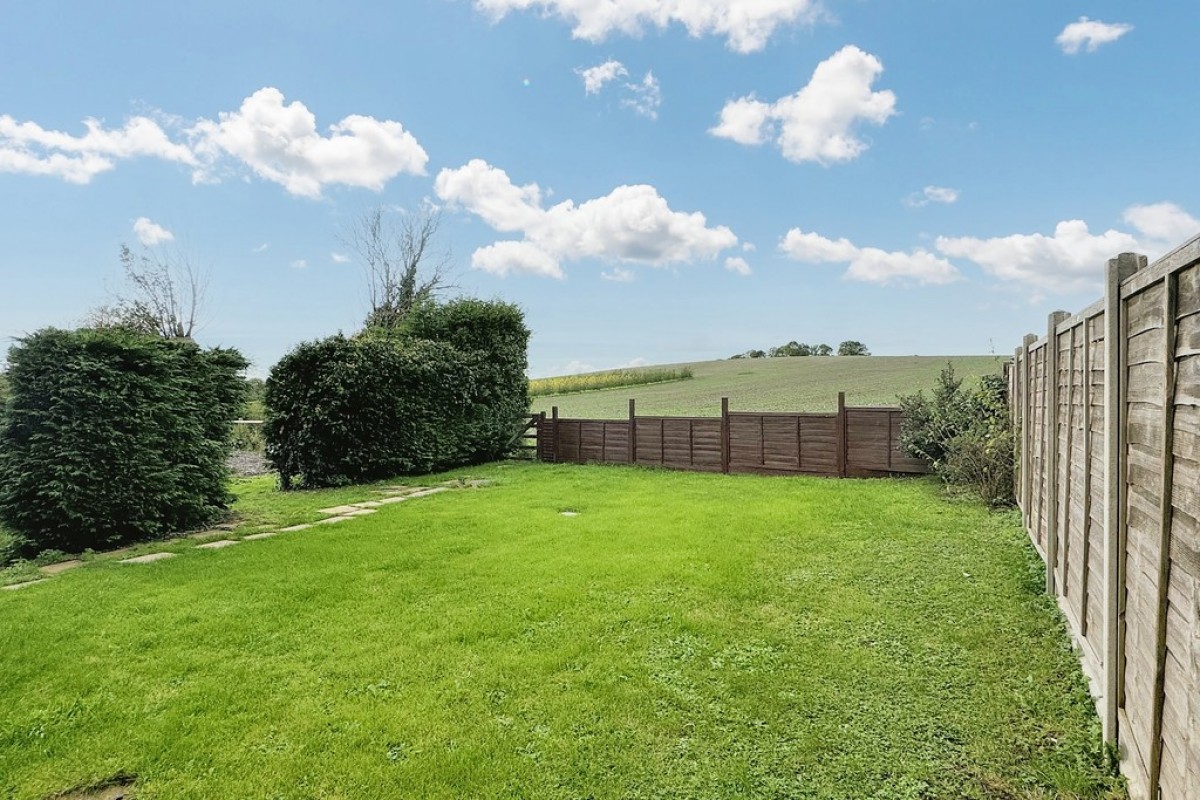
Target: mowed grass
(773, 384)
(684, 636)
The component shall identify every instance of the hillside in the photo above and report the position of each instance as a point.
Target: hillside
(772, 384)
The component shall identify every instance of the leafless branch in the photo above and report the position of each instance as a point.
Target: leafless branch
(402, 267)
(163, 295)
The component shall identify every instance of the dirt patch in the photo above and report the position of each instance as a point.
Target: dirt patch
(119, 787)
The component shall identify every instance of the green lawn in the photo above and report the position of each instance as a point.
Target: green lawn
(684, 636)
(773, 384)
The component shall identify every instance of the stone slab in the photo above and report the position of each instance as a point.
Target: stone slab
(336, 510)
(254, 537)
(569, 513)
(62, 566)
(148, 558)
(359, 512)
(303, 527)
(331, 520)
(12, 587)
(217, 545)
(387, 501)
(427, 492)
(369, 504)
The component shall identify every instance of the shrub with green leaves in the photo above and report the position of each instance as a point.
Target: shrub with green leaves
(111, 436)
(966, 434)
(443, 389)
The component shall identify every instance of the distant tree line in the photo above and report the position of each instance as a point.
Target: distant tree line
(793, 348)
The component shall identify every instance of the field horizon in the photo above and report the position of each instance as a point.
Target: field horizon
(771, 384)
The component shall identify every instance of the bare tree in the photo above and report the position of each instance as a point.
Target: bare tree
(402, 267)
(163, 295)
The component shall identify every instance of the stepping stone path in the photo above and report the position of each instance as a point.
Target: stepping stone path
(149, 558)
(14, 586)
(335, 514)
(217, 545)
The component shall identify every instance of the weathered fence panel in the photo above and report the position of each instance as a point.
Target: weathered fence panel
(854, 442)
(1108, 412)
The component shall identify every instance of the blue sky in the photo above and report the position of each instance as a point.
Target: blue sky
(650, 180)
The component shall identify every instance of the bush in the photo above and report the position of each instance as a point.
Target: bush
(444, 389)
(111, 436)
(966, 435)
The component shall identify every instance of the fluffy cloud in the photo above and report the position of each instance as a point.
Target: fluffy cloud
(279, 142)
(1073, 258)
(150, 233)
(26, 147)
(747, 25)
(631, 224)
(816, 123)
(1091, 34)
(737, 264)
(931, 194)
(339, 258)
(595, 77)
(869, 264)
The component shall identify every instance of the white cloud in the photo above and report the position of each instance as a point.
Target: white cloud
(278, 142)
(931, 194)
(281, 144)
(618, 275)
(150, 234)
(737, 264)
(262, 248)
(869, 264)
(595, 77)
(26, 147)
(1091, 34)
(631, 224)
(749, 247)
(1073, 258)
(299, 263)
(816, 123)
(644, 97)
(339, 258)
(576, 367)
(1164, 224)
(747, 25)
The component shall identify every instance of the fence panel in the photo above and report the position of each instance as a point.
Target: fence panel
(1108, 405)
(855, 442)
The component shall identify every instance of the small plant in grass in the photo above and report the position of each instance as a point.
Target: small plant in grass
(965, 434)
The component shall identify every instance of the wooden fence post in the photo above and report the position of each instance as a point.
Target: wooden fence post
(841, 435)
(632, 433)
(1166, 514)
(725, 435)
(554, 430)
(1027, 429)
(1050, 462)
(1115, 466)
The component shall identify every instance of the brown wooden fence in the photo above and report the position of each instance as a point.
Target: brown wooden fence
(1108, 407)
(854, 442)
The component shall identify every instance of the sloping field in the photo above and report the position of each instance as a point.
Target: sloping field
(773, 384)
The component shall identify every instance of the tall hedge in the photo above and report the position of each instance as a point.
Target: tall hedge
(442, 390)
(112, 436)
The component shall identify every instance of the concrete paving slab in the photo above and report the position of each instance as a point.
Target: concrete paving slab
(148, 558)
(427, 492)
(331, 520)
(569, 513)
(254, 537)
(62, 566)
(12, 587)
(291, 528)
(336, 510)
(387, 501)
(359, 512)
(217, 545)
(369, 504)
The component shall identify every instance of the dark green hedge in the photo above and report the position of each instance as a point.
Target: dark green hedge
(112, 436)
(444, 389)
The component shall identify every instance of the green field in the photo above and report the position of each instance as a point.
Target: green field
(772, 384)
(684, 636)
